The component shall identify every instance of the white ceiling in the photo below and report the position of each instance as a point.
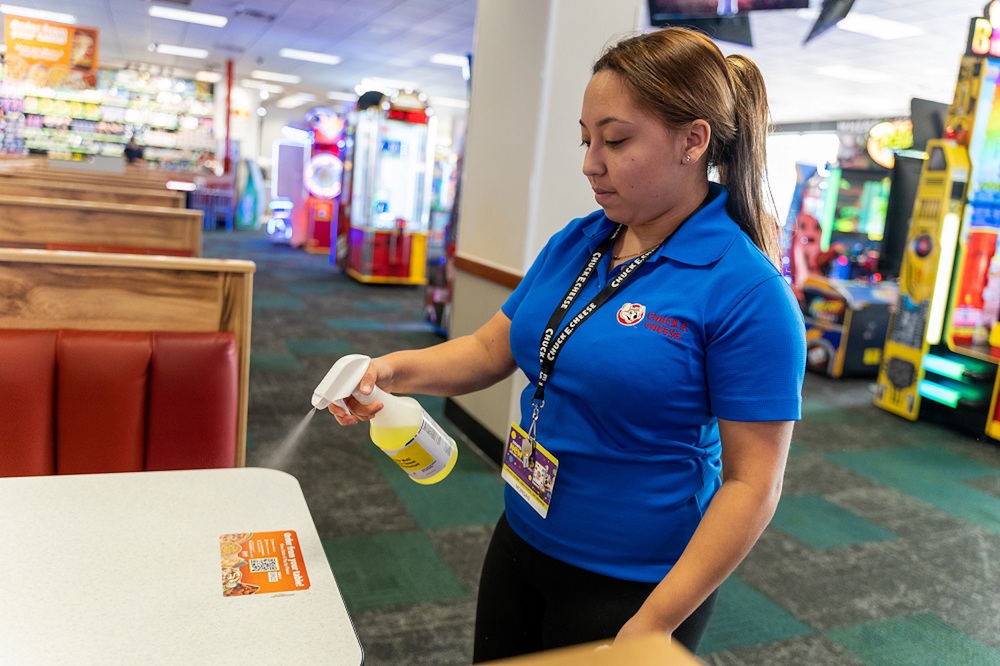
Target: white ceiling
(391, 39)
(924, 66)
(395, 39)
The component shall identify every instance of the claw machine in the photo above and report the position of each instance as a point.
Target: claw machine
(386, 212)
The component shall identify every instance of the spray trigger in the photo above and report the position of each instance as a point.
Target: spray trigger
(402, 429)
(342, 381)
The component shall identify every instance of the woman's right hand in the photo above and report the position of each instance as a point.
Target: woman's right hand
(356, 410)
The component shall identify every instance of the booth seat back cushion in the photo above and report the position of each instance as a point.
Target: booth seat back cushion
(76, 402)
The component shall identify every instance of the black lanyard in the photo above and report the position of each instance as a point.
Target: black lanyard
(551, 343)
(549, 348)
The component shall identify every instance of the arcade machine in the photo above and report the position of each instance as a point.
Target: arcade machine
(289, 156)
(323, 174)
(832, 255)
(441, 243)
(306, 181)
(943, 345)
(441, 247)
(385, 207)
(251, 201)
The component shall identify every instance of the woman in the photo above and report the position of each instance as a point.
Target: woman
(664, 354)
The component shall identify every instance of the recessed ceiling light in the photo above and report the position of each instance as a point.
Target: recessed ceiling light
(342, 96)
(40, 14)
(454, 61)
(292, 101)
(170, 49)
(386, 86)
(186, 16)
(310, 56)
(208, 77)
(275, 76)
(449, 59)
(449, 101)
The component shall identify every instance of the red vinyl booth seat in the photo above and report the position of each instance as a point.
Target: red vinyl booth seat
(75, 401)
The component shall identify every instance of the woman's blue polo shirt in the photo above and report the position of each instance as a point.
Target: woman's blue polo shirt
(706, 328)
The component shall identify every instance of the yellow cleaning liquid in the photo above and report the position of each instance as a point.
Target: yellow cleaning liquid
(425, 452)
(402, 429)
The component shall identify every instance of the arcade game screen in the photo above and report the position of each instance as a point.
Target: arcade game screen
(857, 217)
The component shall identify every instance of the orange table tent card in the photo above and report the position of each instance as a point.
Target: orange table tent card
(261, 562)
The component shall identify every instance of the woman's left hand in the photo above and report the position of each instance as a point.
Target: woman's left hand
(640, 625)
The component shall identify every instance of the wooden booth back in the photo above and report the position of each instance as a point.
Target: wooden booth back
(63, 224)
(120, 362)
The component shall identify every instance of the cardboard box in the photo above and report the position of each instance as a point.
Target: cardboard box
(652, 650)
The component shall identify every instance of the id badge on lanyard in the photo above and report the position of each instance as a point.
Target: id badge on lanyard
(527, 466)
(529, 469)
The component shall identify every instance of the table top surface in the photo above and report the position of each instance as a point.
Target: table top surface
(125, 568)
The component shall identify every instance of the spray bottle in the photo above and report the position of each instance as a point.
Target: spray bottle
(402, 429)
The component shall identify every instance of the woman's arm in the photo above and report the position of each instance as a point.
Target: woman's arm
(458, 366)
(753, 464)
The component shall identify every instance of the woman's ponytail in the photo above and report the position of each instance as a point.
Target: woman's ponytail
(742, 163)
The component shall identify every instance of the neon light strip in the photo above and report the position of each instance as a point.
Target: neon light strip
(938, 393)
(943, 366)
(942, 282)
(829, 208)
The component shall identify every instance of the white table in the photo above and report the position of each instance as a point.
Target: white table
(125, 569)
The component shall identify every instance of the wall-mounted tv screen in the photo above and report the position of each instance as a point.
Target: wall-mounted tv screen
(669, 10)
(734, 29)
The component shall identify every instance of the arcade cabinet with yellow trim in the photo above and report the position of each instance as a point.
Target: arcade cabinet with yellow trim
(916, 325)
(943, 346)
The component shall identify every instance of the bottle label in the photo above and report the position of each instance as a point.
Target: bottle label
(427, 453)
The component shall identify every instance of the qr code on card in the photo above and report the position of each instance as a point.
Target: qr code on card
(263, 564)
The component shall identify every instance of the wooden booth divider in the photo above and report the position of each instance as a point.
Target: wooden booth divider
(59, 224)
(45, 290)
(130, 178)
(13, 184)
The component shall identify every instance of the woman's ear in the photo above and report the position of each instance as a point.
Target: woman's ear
(696, 139)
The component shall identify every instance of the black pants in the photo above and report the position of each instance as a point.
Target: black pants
(530, 602)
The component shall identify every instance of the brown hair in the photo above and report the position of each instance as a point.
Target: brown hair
(680, 75)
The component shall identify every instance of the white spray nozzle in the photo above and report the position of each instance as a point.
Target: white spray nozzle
(342, 381)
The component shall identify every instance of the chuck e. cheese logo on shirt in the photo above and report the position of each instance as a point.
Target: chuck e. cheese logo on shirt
(631, 314)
